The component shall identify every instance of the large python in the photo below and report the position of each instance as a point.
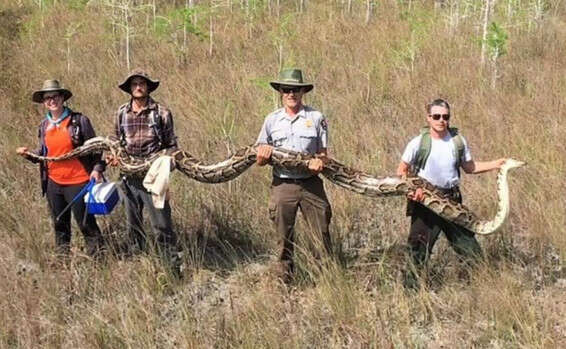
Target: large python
(336, 172)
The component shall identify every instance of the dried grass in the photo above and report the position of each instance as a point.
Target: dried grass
(373, 94)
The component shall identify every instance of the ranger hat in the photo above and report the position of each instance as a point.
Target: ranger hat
(50, 86)
(291, 78)
(151, 84)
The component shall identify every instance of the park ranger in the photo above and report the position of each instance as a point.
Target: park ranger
(301, 128)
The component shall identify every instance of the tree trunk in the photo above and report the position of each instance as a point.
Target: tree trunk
(280, 57)
(154, 14)
(68, 39)
(495, 72)
(41, 13)
(485, 22)
(188, 4)
(369, 8)
(127, 27)
(454, 17)
(211, 36)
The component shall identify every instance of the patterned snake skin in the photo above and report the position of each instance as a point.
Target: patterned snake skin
(337, 173)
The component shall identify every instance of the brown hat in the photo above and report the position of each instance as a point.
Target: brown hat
(50, 86)
(151, 84)
(293, 78)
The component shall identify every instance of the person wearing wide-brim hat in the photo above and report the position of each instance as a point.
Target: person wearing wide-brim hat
(126, 85)
(301, 128)
(60, 131)
(144, 128)
(291, 78)
(51, 86)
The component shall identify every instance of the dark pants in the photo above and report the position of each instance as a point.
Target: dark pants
(58, 197)
(308, 195)
(426, 227)
(136, 197)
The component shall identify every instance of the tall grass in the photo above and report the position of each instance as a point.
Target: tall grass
(372, 81)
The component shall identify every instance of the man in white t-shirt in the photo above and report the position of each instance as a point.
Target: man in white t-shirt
(437, 155)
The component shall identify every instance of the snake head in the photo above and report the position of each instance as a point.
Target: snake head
(512, 163)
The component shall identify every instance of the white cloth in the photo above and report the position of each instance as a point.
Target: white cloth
(440, 168)
(156, 180)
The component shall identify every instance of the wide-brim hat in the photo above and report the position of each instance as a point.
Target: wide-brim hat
(151, 84)
(50, 86)
(292, 78)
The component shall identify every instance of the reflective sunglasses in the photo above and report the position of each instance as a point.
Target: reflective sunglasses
(291, 89)
(444, 117)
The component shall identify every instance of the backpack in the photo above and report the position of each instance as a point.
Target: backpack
(75, 130)
(76, 134)
(77, 139)
(426, 144)
(156, 124)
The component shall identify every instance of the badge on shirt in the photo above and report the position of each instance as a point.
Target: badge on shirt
(308, 123)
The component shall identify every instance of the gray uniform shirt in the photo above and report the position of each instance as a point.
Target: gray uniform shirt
(306, 132)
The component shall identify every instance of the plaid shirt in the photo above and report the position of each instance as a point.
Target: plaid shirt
(140, 134)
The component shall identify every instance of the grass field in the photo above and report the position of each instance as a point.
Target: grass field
(373, 75)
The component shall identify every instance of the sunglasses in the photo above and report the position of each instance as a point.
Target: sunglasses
(444, 117)
(50, 97)
(291, 89)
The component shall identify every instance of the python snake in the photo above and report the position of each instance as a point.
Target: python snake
(338, 173)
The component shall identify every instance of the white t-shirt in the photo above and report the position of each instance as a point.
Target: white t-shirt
(440, 168)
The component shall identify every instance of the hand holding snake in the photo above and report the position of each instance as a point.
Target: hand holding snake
(336, 172)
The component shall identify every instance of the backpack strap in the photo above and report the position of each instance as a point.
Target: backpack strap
(157, 124)
(76, 134)
(423, 152)
(121, 113)
(426, 144)
(41, 136)
(458, 147)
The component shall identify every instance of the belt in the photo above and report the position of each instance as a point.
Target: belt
(293, 180)
(452, 190)
(451, 193)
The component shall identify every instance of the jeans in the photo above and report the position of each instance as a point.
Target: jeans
(136, 197)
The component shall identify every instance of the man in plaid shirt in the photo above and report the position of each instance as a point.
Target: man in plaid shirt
(145, 127)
